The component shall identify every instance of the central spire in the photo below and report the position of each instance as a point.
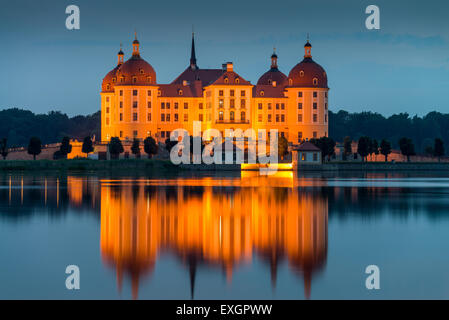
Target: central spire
(193, 65)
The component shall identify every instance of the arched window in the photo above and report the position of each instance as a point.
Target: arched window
(262, 93)
(269, 81)
(237, 80)
(180, 92)
(231, 116)
(301, 73)
(220, 116)
(315, 81)
(226, 80)
(141, 71)
(243, 116)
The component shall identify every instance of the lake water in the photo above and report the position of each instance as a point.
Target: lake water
(235, 236)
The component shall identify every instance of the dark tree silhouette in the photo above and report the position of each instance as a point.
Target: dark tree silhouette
(135, 148)
(65, 147)
(364, 147)
(438, 149)
(347, 145)
(4, 148)
(150, 146)
(385, 148)
(407, 147)
(282, 147)
(170, 144)
(87, 146)
(34, 147)
(326, 145)
(115, 147)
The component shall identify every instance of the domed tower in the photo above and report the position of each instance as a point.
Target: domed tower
(128, 97)
(273, 76)
(308, 95)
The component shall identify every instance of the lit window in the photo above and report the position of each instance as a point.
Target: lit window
(260, 106)
(180, 92)
(107, 109)
(186, 105)
(242, 103)
(259, 117)
(221, 103)
(220, 93)
(269, 118)
(186, 117)
(243, 116)
(231, 116)
(301, 73)
(231, 93)
(226, 80)
(262, 93)
(237, 80)
(242, 93)
(220, 116)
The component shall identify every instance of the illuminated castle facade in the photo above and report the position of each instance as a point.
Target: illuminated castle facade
(135, 105)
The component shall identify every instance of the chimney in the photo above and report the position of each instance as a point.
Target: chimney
(229, 66)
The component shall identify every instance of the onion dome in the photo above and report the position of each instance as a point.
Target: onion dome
(110, 79)
(273, 75)
(307, 73)
(136, 71)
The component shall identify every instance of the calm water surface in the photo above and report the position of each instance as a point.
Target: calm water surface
(241, 236)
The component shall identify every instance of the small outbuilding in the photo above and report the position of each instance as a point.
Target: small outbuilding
(307, 153)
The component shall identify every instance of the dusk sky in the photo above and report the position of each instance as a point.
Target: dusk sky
(403, 67)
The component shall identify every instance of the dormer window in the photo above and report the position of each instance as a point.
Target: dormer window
(114, 79)
(159, 93)
(134, 79)
(180, 92)
(315, 81)
(149, 79)
(237, 80)
(122, 79)
(226, 80)
(262, 93)
(301, 73)
(108, 87)
(141, 71)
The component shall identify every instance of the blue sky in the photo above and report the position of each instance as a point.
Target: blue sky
(403, 67)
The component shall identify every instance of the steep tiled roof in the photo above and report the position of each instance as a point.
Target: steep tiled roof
(268, 91)
(307, 146)
(231, 76)
(193, 89)
(205, 76)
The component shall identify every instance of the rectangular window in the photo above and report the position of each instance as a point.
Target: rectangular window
(282, 118)
(107, 99)
(149, 93)
(269, 106)
(121, 93)
(162, 105)
(186, 105)
(176, 106)
(200, 118)
(277, 118)
(163, 117)
(167, 117)
(242, 103)
(135, 116)
(242, 93)
(315, 118)
(176, 117)
(269, 118)
(282, 106)
(315, 156)
(259, 118)
(168, 105)
(325, 106)
(220, 93)
(186, 117)
(221, 103)
(325, 118)
(135, 133)
(299, 94)
(300, 105)
(121, 116)
(134, 104)
(149, 117)
(231, 103)
(315, 94)
(231, 93)
(277, 106)
(314, 134)
(121, 134)
(315, 105)
(299, 117)
(149, 104)
(134, 92)
(200, 106)
(107, 109)
(260, 106)
(162, 134)
(121, 104)
(107, 121)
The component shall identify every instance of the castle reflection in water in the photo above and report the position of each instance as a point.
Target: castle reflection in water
(219, 223)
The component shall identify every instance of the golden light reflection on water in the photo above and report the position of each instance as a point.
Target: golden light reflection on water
(220, 223)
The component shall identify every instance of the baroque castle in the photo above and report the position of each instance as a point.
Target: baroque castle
(135, 105)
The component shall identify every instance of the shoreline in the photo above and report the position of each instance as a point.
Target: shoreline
(166, 165)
